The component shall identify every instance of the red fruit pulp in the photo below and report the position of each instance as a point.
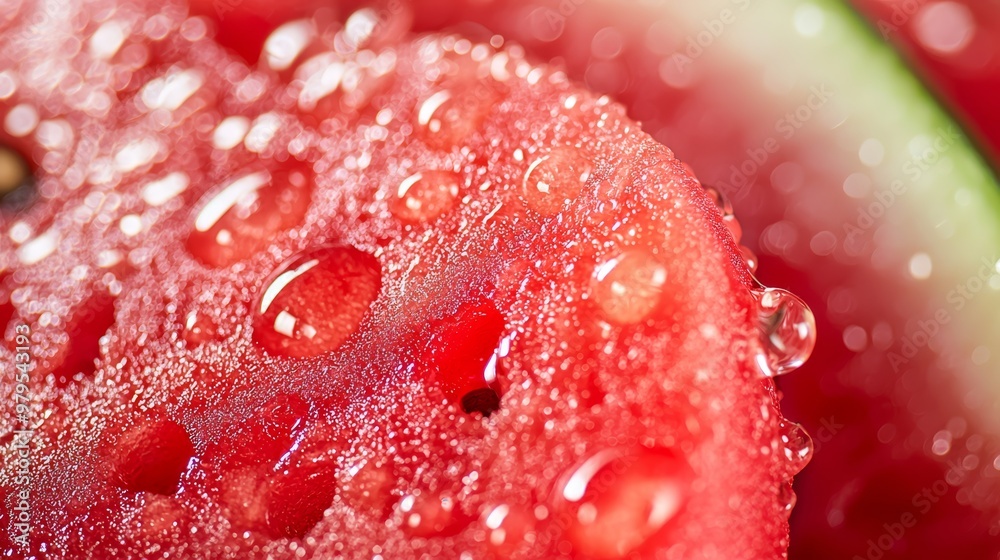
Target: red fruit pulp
(794, 198)
(515, 327)
(151, 456)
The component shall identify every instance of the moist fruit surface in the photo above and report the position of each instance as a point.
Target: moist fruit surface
(375, 298)
(855, 189)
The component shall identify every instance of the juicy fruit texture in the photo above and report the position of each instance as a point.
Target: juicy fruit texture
(376, 298)
(826, 215)
(151, 456)
(828, 162)
(854, 188)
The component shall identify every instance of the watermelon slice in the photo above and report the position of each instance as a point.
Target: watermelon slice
(379, 298)
(897, 447)
(854, 188)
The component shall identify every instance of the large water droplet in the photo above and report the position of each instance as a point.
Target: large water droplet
(315, 301)
(628, 288)
(555, 179)
(424, 196)
(616, 500)
(796, 446)
(242, 218)
(508, 528)
(721, 201)
(449, 116)
(198, 328)
(286, 43)
(788, 331)
(427, 514)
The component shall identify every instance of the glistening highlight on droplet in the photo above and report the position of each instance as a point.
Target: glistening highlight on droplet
(316, 301)
(629, 287)
(554, 180)
(617, 500)
(795, 446)
(787, 329)
(424, 196)
(242, 217)
(446, 118)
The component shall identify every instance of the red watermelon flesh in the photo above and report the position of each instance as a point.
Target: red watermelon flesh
(399, 298)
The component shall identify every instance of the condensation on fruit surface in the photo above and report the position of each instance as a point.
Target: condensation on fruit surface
(412, 298)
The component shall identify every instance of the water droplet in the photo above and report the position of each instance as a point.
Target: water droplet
(721, 201)
(735, 229)
(921, 266)
(161, 191)
(359, 28)
(945, 27)
(316, 301)
(107, 39)
(555, 179)
(136, 154)
(426, 514)
(230, 132)
(332, 82)
(942, 443)
(628, 288)
(616, 501)
(21, 120)
(198, 328)
(750, 258)
(508, 528)
(449, 116)
(607, 43)
(242, 218)
(172, 90)
(426, 195)
(786, 498)
(372, 28)
(262, 131)
(796, 446)
(788, 331)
